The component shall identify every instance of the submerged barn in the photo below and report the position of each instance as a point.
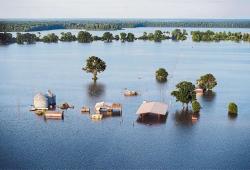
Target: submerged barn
(156, 108)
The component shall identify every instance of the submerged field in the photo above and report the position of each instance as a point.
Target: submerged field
(214, 141)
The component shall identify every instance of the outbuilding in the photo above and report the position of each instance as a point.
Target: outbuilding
(156, 108)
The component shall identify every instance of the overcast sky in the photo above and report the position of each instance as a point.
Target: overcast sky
(125, 9)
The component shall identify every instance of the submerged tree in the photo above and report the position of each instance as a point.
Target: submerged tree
(123, 36)
(6, 38)
(68, 36)
(161, 75)
(84, 37)
(27, 38)
(94, 65)
(50, 38)
(232, 109)
(207, 82)
(130, 37)
(196, 106)
(177, 34)
(184, 93)
(107, 37)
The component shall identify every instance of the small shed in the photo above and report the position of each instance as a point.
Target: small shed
(40, 101)
(157, 108)
(51, 98)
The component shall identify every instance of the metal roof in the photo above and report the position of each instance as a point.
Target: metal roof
(153, 107)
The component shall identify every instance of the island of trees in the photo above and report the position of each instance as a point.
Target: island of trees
(219, 36)
(157, 36)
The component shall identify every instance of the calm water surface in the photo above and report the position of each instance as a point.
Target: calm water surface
(214, 141)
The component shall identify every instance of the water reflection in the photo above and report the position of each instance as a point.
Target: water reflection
(232, 116)
(186, 117)
(111, 114)
(96, 89)
(151, 119)
(162, 87)
(209, 96)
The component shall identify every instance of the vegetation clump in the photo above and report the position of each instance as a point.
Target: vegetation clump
(219, 36)
(6, 38)
(184, 93)
(123, 36)
(50, 38)
(207, 82)
(27, 38)
(232, 109)
(84, 37)
(177, 34)
(157, 36)
(94, 65)
(161, 75)
(68, 36)
(130, 37)
(196, 106)
(107, 37)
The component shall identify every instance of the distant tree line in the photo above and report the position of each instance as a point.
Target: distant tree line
(102, 24)
(157, 36)
(219, 36)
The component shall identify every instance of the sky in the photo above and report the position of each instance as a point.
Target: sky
(212, 9)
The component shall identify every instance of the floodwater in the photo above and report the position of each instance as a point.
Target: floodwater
(123, 142)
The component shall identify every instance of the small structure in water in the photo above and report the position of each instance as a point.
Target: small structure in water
(44, 101)
(85, 109)
(130, 93)
(66, 106)
(51, 99)
(152, 108)
(53, 115)
(108, 107)
(40, 102)
(96, 116)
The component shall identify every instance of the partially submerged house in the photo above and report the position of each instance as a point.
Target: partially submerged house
(152, 113)
(155, 108)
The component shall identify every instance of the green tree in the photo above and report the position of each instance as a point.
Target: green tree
(50, 38)
(130, 37)
(184, 93)
(207, 82)
(6, 38)
(158, 36)
(123, 36)
(196, 106)
(94, 65)
(84, 37)
(144, 36)
(107, 37)
(67, 37)
(161, 75)
(177, 34)
(232, 108)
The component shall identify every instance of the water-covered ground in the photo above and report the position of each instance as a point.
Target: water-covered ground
(214, 141)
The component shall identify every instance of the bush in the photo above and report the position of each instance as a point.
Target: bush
(196, 106)
(232, 108)
(161, 74)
